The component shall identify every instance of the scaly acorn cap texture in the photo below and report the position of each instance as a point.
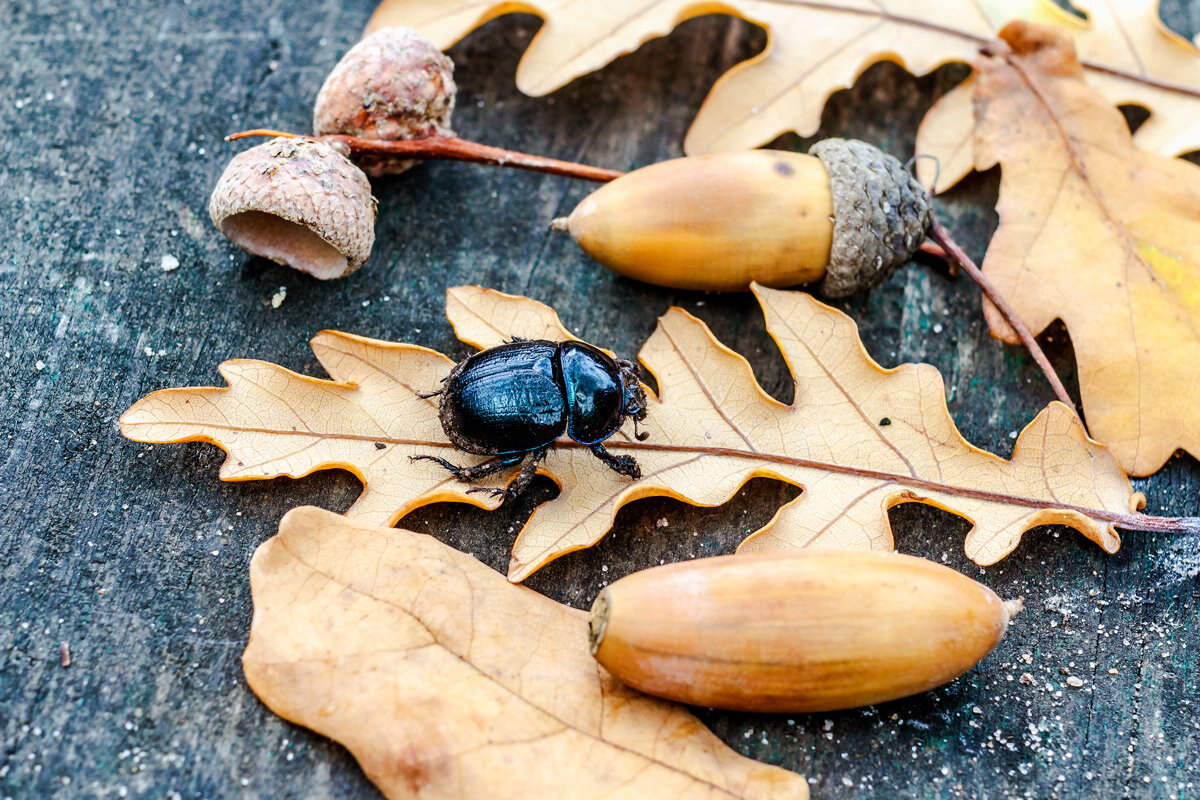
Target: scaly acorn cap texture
(880, 215)
(297, 202)
(392, 85)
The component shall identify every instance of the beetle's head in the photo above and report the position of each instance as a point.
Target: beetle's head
(635, 396)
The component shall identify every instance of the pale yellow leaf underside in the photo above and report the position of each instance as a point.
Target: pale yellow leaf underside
(369, 420)
(1100, 234)
(858, 439)
(445, 681)
(816, 47)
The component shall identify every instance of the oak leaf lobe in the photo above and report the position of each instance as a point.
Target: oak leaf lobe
(1100, 234)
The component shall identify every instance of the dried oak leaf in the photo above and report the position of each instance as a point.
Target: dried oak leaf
(816, 48)
(858, 438)
(1097, 233)
(445, 681)
(1128, 56)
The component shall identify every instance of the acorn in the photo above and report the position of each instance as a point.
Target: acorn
(297, 202)
(845, 214)
(392, 85)
(801, 631)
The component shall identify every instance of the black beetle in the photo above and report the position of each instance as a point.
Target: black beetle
(514, 400)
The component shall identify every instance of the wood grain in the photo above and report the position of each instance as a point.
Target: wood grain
(110, 140)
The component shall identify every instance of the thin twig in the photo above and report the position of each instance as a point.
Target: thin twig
(446, 148)
(939, 234)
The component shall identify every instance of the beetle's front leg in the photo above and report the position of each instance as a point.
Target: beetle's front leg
(476, 471)
(625, 465)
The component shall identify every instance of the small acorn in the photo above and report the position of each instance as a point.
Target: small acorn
(799, 631)
(392, 85)
(297, 202)
(847, 214)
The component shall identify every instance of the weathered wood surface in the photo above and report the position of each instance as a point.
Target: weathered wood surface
(111, 122)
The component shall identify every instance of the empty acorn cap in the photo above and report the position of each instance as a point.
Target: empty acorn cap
(392, 85)
(297, 202)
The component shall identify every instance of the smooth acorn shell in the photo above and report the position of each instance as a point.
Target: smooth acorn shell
(794, 632)
(714, 222)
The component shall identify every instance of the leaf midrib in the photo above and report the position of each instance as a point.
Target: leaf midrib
(729, 452)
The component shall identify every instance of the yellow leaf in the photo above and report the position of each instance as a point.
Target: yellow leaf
(445, 681)
(1100, 234)
(859, 439)
(1129, 57)
(815, 48)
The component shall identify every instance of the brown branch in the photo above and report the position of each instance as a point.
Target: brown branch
(446, 148)
(941, 236)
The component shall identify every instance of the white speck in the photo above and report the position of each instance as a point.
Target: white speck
(216, 552)
(976, 710)
(662, 523)
(278, 298)
(1074, 682)
(1012, 434)
(40, 365)
(366, 303)
(169, 263)
(937, 327)
(847, 782)
(149, 351)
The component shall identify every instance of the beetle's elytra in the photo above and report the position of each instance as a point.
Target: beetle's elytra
(514, 400)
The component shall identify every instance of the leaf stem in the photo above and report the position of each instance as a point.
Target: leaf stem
(445, 148)
(942, 237)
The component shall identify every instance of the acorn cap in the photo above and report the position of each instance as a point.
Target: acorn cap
(297, 202)
(880, 215)
(392, 85)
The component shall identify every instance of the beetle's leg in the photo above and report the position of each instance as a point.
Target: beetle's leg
(475, 471)
(431, 394)
(525, 476)
(626, 465)
(516, 339)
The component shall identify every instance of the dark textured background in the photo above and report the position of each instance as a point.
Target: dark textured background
(111, 124)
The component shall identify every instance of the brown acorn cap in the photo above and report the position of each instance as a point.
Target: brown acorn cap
(299, 203)
(392, 85)
(880, 215)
